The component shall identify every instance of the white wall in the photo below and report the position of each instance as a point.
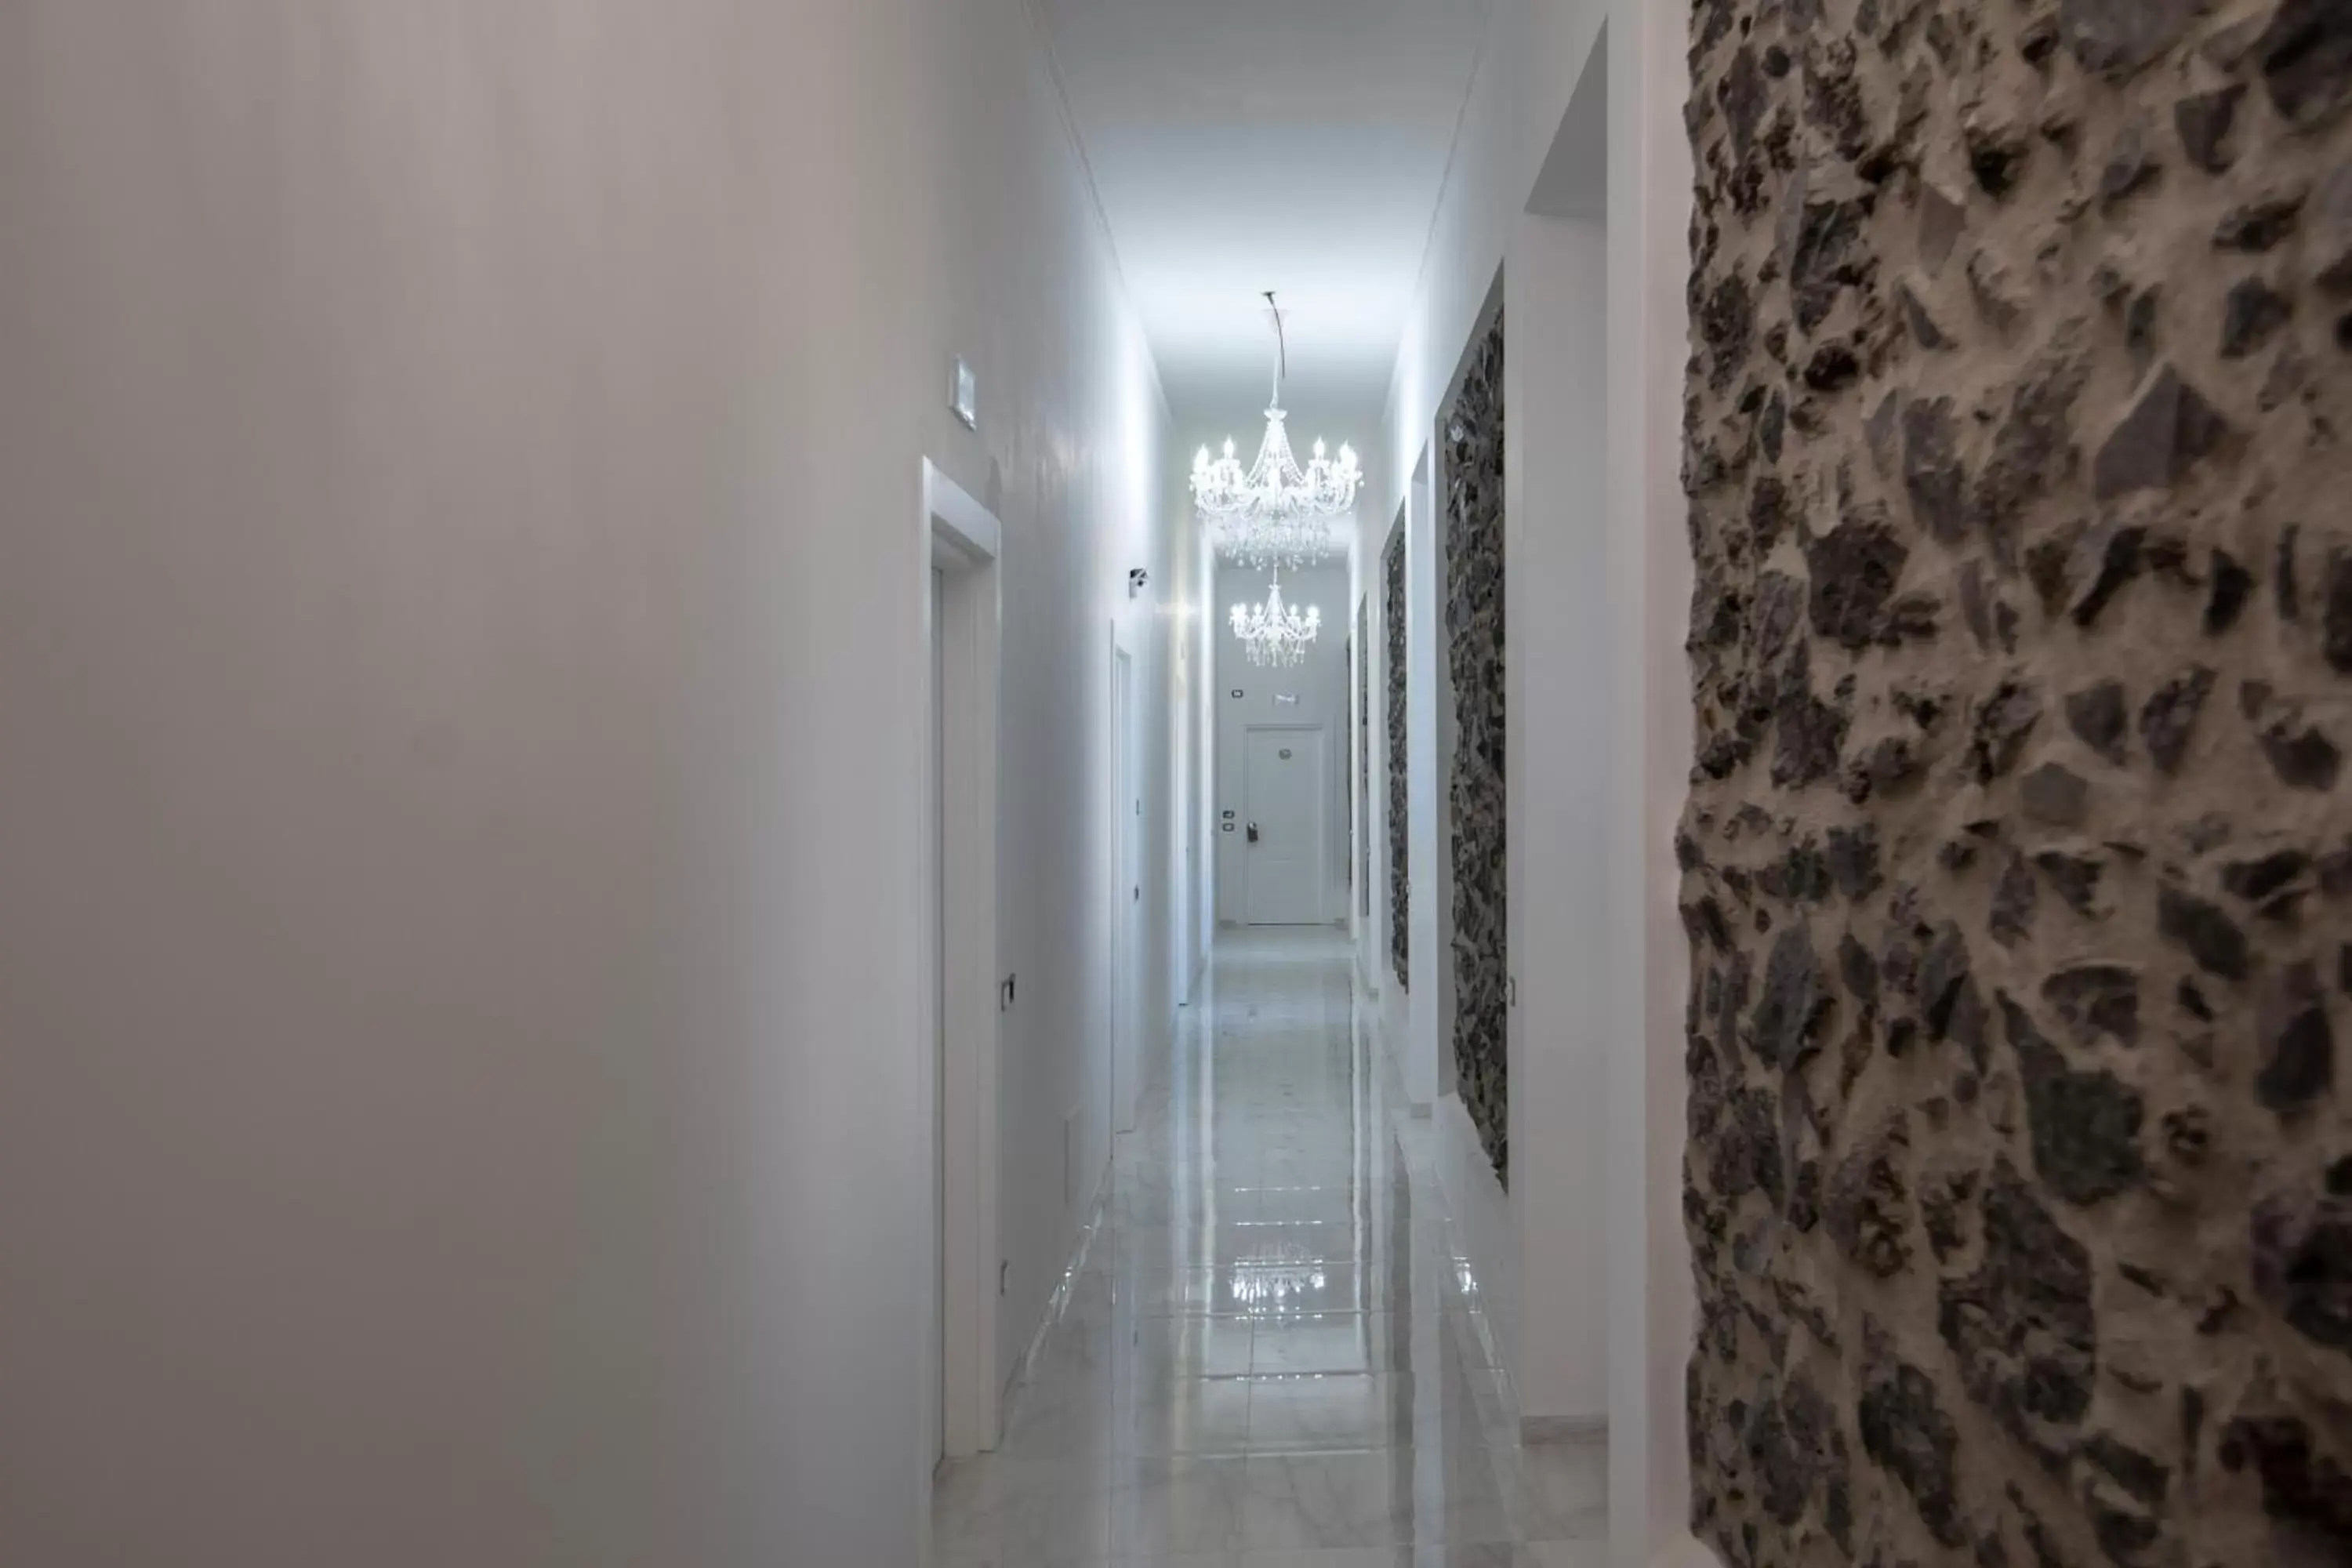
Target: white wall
(1554, 517)
(1206, 628)
(1649, 568)
(1429, 759)
(1192, 675)
(459, 1099)
(1529, 64)
(1320, 686)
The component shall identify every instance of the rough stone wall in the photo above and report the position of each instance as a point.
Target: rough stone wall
(2017, 870)
(1474, 637)
(1400, 870)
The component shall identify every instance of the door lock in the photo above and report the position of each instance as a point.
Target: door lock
(1253, 832)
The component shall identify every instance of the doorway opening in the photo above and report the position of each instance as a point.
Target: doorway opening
(937, 1404)
(1285, 785)
(958, 1053)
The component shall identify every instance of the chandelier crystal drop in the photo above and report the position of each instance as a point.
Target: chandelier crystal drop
(1275, 513)
(1275, 634)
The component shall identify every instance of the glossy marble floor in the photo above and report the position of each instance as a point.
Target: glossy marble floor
(1268, 1354)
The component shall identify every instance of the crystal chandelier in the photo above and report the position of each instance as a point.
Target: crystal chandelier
(1273, 632)
(1275, 514)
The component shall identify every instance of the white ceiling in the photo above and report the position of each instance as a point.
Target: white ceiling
(1242, 145)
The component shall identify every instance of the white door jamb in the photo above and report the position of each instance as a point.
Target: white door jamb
(962, 540)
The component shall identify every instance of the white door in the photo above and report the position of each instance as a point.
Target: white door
(1283, 827)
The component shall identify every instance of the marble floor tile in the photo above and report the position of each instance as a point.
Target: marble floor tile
(1339, 1204)
(1181, 1506)
(1158, 1291)
(1328, 1500)
(1271, 1290)
(1560, 1489)
(1268, 1352)
(1003, 1515)
(1187, 1415)
(1318, 1412)
(1468, 1335)
(1333, 1342)
(1165, 1350)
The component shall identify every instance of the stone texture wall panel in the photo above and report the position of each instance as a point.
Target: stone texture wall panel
(1472, 430)
(1392, 619)
(2018, 865)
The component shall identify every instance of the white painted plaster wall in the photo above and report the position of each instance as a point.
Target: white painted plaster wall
(459, 581)
(1429, 956)
(1190, 856)
(1206, 629)
(1320, 686)
(1555, 518)
(1529, 64)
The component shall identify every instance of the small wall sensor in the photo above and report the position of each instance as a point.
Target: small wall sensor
(963, 393)
(1136, 581)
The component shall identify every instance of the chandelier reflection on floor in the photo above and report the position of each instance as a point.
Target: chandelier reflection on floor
(1275, 514)
(1275, 634)
(1261, 1287)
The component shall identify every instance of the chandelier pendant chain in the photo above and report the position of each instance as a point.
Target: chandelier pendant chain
(1281, 349)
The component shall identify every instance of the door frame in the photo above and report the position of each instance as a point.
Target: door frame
(1322, 733)
(962, 540)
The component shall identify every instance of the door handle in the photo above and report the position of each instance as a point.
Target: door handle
(1253, 832)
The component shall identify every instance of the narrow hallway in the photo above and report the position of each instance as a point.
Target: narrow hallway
(1269, 1352)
